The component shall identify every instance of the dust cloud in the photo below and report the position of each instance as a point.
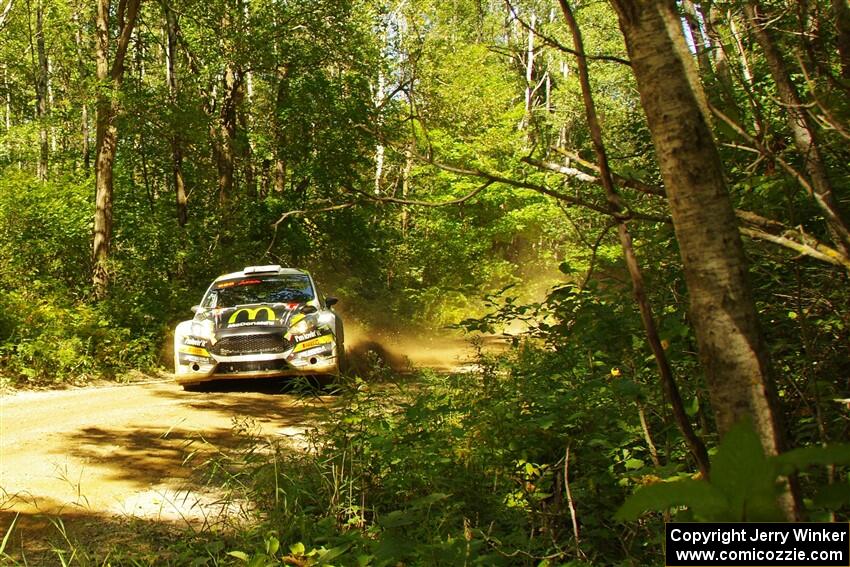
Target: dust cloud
(445, 350)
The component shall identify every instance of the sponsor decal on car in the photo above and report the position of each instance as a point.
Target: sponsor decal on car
(305, 336)
(191, 341)
(194, 350)
(248, 316)
(318, 341)
(316, 350)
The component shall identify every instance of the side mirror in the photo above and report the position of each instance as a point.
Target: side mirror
(196, 308)
(330, 301)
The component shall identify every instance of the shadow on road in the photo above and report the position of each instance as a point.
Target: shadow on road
(89, 538)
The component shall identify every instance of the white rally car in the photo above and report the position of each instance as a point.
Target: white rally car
(265, 321)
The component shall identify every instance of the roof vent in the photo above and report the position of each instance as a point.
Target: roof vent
(270, 269)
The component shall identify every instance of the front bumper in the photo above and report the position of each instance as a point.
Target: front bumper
(195, 364)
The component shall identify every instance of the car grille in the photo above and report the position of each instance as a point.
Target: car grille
(250, 344)
(251, 366)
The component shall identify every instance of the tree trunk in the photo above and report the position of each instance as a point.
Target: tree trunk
(110, 79)
(42, 103)
(841, 12)
(694, 21)
(227, 134)
(281, 130)
(732, 351)
(84, 112)
(671, 390)
(720, 60)
(803, 131)
(176, 147)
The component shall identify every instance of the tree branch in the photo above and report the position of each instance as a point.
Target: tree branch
(551, 42)
(132, 11)
(5, 14)
(629, 182)
(394, 200)
(760, 228)
(288, 214)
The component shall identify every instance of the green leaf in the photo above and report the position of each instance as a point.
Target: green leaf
(746, 477)
(804, 457)
(272, 545)
(297, 549)
(241, 555)
(397, 518)
(330, 554)
(698, 495)
(833, 496)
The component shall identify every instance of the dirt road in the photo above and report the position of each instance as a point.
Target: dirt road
(130, 450)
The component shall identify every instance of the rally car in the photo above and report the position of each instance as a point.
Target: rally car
(262, 322)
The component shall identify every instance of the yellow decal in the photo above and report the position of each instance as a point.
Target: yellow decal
(297, 319)
(323, 340)
(251, 314)
(194, 350)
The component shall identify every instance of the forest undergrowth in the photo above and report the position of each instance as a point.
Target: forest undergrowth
(527, 460)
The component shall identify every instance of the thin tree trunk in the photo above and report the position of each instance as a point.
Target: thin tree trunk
(247, 154)
(110, 79)
(841, 13)
(803, 131)
(405, 188)
(695, 23)
(176, 147)
(42, 105)
(6, 147)
(281, 149)
(732, 350)
(227, 134)
(529, 70)
(719, 57)
(647, 435)
(84, 113)
(671, 390)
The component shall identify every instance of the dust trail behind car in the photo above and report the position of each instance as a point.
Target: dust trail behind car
(402, 352)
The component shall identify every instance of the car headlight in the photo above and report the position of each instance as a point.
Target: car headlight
(302, 326)
(203, 329)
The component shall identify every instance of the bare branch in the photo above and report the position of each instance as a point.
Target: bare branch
(628, 182)
(828, 120)
(602, 209)
(562, 169)
(551, 42)
(801, 179)
(396, 201)
(288, 214)
(819, 251)
(5, 14)
(759, 227)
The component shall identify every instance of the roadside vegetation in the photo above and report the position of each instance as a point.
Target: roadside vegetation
(667, 254)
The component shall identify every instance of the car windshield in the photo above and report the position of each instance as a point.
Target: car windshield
(294, 288)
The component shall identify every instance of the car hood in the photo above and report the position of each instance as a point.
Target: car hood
(255, 318)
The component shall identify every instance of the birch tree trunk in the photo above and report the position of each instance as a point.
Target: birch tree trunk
(109, 79)
(668, 382)
(731, 348)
